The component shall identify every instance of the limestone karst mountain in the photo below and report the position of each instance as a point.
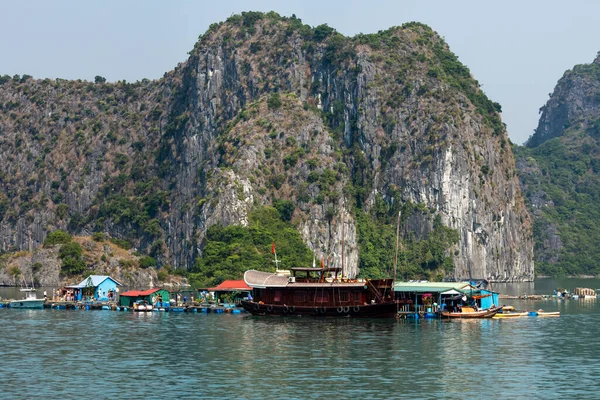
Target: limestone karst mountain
(559, 168)
(350, 129)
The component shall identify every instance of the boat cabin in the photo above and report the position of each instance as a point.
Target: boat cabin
(316, 287)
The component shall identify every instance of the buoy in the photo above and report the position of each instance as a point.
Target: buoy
(105, 307)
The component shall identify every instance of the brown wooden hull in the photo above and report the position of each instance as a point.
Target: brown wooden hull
(381, 310)
(489, 313)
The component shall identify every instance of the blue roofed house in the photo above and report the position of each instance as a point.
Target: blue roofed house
(100, 287)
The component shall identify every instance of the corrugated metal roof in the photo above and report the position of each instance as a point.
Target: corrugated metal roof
(427, 287)
(230, 285)
(93, 280)
(136, 293)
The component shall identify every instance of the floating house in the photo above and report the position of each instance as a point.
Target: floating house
(152, 296)
(239, 290)
(98, 287)
(430, 297)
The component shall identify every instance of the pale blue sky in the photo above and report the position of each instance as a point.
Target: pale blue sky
(516, 49)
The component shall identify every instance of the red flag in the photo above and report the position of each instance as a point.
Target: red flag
(273, 248)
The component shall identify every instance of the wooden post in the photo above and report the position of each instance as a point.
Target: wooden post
(397, 240)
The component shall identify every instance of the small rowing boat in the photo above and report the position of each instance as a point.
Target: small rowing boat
(542, 313)
(510, 315)
(470, 312)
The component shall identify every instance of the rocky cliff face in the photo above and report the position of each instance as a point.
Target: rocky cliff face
(575, 101)
(42, 267)
(267, 108)
(559, 170)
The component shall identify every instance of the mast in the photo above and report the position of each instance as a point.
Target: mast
(343, 240)
(397, 240)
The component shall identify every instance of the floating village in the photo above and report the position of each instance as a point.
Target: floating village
(311, 292)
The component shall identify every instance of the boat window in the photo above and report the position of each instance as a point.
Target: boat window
(277, 298)
(344, 296)
(300, 297)
(322, 297)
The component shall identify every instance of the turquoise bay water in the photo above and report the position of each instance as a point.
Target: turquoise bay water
(105, 354)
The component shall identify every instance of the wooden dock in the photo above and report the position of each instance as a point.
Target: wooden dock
(112, 306)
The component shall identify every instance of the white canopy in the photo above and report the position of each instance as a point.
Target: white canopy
(451, 291)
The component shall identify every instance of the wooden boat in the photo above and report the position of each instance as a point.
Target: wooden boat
(542, 313)
(318, 292)
(469, 312)
(510, 314)
(29, 301)
(142, 305)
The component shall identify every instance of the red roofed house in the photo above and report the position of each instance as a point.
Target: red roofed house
(131, 296)
(237, 290)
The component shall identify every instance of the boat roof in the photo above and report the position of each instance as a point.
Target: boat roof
(430, 287)
(315, 269)
(262, 280)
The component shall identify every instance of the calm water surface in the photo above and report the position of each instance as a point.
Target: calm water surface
(105, 354)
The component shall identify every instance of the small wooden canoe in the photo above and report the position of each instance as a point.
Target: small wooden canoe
(510, 315)
(541, 313)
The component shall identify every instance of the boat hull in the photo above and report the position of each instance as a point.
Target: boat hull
(31, 304)
(487, 313)
(381, 310)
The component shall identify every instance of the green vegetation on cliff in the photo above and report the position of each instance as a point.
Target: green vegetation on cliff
(427, 258)
(229, 251)
(565, 188)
